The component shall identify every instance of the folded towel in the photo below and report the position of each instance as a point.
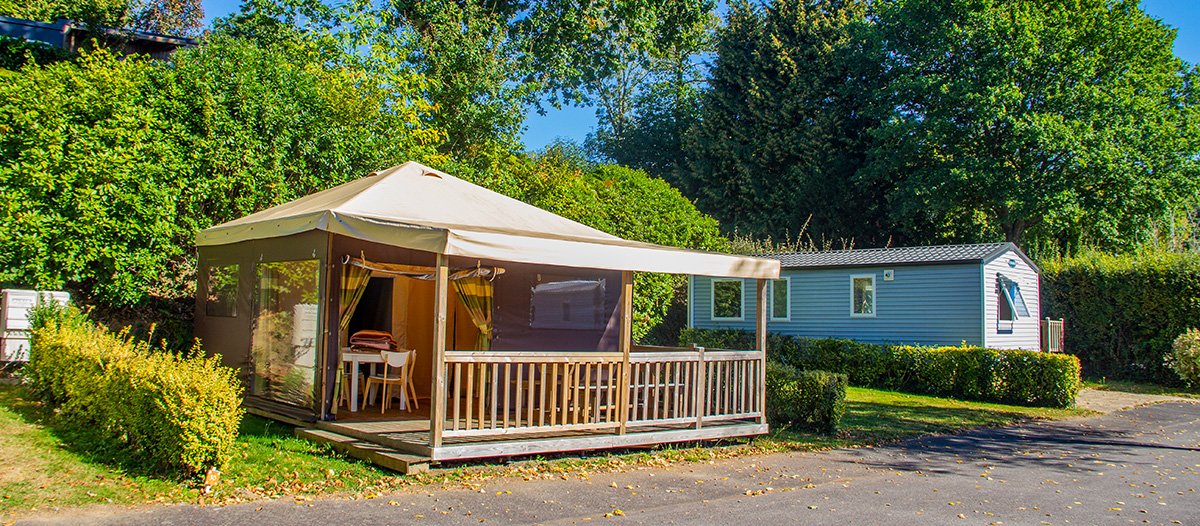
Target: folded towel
(378, 340)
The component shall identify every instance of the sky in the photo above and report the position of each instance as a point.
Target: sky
(575, 123)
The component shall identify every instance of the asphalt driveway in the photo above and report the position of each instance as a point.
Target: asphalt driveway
(1134, 466)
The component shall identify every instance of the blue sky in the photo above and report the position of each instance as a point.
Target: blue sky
(575, 123)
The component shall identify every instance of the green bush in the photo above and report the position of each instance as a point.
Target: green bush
(813, 400)
(1026, 378)
(16, 52)
(175, 412)
(1185, 357)
(1122, 313)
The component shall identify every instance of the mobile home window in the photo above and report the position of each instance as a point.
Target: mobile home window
(222, 291)
(1012, 303)
(780, 296)
(862, 295)
(727, 299)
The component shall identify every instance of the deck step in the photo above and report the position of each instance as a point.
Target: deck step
(374, 453)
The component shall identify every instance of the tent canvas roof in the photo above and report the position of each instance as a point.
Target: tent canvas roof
(414, 206)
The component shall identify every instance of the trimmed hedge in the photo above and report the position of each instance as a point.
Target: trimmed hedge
(1123, 312)
(812, 400)
(179, 413)
(1026, 378)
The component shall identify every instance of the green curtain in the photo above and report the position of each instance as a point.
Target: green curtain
(476, 295)
(354, 282)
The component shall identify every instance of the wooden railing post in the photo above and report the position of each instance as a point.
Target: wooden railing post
(701, 387)
(761, 343)
(437, 402)
(626, 345)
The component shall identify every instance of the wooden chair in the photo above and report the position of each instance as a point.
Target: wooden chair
(391, 360)
(346, 378)
(408, 384)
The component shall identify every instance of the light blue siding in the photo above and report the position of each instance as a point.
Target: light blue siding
(929, 305)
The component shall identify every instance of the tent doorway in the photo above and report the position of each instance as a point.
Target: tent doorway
(404, 307)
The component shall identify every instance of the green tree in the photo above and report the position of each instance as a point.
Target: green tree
(111, 166)
(649, 105)
(489, 61)
(87, 182)
(110, 13)
(783, 129)
(1064, 120)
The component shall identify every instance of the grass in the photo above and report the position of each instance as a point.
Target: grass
(1126, 386)
(47, 462)
(876, 417)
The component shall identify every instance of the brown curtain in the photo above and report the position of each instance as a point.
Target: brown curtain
(354, 282)
(476, 295)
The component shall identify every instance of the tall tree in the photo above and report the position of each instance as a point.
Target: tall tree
(488, 61)
(783, 128)
(108, 167)
(647, 107)
(1062, 119)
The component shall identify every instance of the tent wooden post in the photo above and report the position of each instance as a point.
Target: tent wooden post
(437, 400)
(760, 339)
(626, 345)
(329, 347)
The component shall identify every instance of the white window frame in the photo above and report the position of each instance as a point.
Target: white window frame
(874, 295)
(712, 311)
(787, 280)
(1007, 289)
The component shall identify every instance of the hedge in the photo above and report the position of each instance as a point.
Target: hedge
(1122, 313)
(178, 413)
(812, 400)
(1025, 378)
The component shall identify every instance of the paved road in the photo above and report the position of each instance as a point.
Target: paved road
(1135, 466)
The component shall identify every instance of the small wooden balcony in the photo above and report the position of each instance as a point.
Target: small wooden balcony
(504, 403)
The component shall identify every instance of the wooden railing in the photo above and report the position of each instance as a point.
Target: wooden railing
(1052, 335)
(670, 386)
(496, 392)
(507, 392)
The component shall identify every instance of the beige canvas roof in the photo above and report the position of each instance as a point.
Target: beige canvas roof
(414, 206)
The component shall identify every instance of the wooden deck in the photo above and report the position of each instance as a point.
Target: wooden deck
(413, 436)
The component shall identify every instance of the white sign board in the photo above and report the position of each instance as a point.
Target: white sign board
(15, 307)
(304, 333)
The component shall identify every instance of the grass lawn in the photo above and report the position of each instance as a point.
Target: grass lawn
(1125, 386)
(46, 463)
(879, 417)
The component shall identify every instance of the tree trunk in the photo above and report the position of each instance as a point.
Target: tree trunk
(1014, 230)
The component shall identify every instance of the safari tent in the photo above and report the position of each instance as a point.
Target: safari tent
(519, 321)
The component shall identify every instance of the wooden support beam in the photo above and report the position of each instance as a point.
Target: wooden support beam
(625, 344)
(437, 402)
(760, 333)
(329, 344)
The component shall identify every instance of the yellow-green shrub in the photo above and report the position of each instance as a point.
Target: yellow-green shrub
(1185, 357)
(178, 412)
